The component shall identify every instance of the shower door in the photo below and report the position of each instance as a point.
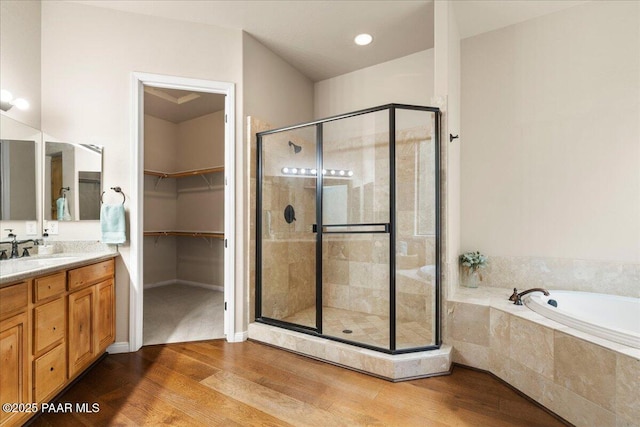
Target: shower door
(357, 218)
(286, 205)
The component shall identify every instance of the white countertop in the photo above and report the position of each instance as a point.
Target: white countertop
(13, 270)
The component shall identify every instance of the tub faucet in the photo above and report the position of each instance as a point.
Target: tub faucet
(517, 297)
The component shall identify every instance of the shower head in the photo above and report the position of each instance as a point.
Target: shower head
(296, 148)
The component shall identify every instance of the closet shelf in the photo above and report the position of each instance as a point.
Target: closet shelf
(211, 234)
(195, 172)
(183, 174)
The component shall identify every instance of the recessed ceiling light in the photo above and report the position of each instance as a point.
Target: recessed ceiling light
(363, 39)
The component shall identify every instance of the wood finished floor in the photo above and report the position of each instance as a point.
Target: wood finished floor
(214, 383)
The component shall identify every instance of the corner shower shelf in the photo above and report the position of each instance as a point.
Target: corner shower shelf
(207, 235)
(183, 174)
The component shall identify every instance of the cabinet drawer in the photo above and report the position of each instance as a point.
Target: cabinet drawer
(90, 274)
(49, 286)
(49, 372)
(13, 298)
(48, 324)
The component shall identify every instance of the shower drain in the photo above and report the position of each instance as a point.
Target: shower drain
(347, 331)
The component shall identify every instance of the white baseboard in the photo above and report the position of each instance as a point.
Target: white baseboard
(240, 336)
(201, 285)
(118, 347)
(184, 282)
(158, 284)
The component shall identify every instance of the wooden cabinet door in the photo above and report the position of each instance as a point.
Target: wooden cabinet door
(49, 372)
(105, 315)
(14, 381)
(81, 340)
(48, 324)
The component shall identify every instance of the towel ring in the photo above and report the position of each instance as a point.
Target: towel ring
(117, 190)
(62, 191)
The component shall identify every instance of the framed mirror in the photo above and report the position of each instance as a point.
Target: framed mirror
(72, 181)
(19, 150)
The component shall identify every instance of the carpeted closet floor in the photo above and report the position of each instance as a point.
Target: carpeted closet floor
(179, 313)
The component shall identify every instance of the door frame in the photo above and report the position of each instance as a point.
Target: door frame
(136, 288)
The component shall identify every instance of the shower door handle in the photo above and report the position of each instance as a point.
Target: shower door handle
(382, 227)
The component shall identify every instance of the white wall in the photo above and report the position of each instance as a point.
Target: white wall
(278, 94)
(185, 204)
(160, 200)
(406, 80)
(20, 56)
(201, 142)
(274, 91)
(88, 55)
(551, 136)
(161, 143)
(447, 97)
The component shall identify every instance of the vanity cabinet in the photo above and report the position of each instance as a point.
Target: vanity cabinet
(14, 350)
(49, 335)
(52, 328)
(82, 305)
(91, 313)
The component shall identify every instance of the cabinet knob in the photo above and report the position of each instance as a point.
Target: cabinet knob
(54, 328)
(51, 369)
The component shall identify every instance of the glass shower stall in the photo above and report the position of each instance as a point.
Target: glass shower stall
(348, 228)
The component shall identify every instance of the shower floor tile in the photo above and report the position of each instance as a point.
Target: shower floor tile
(365, 328)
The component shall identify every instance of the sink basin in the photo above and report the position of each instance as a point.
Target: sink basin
(53, 258)
(27, 264)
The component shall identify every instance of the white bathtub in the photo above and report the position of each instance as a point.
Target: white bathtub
(611, 317)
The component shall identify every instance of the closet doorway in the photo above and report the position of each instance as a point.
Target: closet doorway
(185, 222)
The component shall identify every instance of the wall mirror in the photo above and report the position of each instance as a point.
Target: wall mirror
(72, 181)
(19, 152)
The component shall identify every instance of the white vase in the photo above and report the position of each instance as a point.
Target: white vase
(470, 277)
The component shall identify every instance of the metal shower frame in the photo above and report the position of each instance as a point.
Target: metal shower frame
(390, 228)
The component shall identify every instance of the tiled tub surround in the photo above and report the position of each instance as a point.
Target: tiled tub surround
(587, 380)
(604, 277)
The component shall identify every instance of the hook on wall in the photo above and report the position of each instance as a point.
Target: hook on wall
(452, 137)
(63, 191)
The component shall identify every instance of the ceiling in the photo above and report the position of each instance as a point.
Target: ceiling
(316, 37)
(476, 17)
(180, 105)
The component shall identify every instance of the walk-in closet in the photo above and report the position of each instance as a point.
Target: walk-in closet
(183, 215)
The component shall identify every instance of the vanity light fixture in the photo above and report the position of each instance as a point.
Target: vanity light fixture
(363, 39)
(335, 173)
(7, 101)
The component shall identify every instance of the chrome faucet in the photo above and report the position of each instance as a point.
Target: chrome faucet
(517, 297)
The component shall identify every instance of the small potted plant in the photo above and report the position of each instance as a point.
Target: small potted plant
(470, 264)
